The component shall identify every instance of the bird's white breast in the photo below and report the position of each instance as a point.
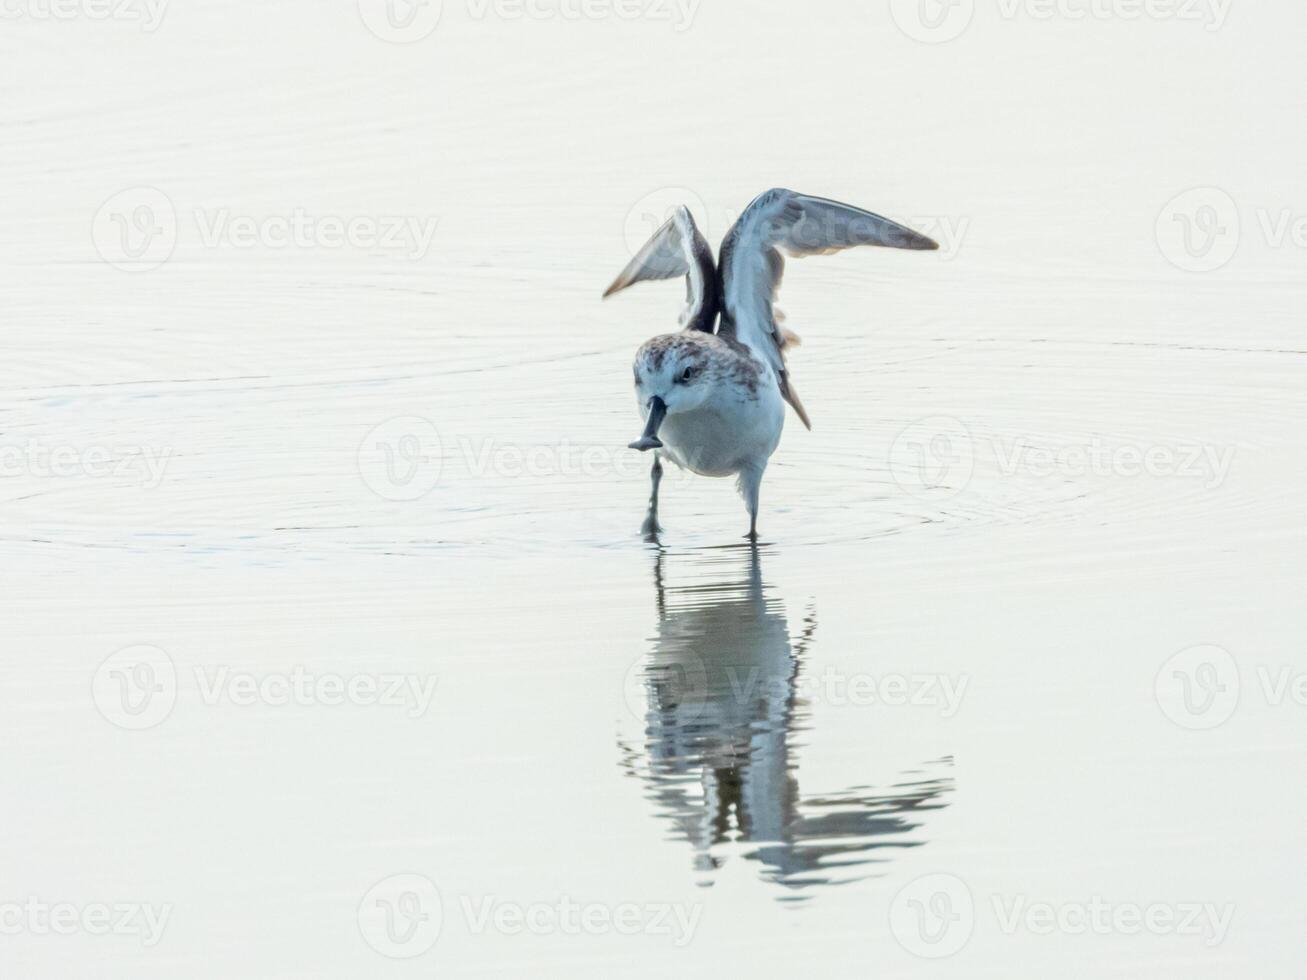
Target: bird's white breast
(732, 430)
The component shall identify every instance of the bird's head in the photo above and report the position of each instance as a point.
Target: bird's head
(671, 375)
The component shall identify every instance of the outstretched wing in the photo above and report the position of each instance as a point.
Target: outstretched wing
(752, 265)
(678, 249)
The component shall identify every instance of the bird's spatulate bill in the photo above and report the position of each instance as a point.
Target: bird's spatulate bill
(649, 440)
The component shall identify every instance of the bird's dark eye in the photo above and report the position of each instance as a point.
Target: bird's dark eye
(687, 376)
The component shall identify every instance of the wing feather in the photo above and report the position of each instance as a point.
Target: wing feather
(752, 265)
(678, 249)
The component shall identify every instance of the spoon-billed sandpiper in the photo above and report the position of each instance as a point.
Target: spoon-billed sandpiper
(713, 396)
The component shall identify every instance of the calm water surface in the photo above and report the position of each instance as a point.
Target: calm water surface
(1045, 462)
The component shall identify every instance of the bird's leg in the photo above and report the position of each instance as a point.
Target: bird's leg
(651, 528)
(750, 487)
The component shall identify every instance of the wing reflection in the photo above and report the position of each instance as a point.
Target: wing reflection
(718, 697)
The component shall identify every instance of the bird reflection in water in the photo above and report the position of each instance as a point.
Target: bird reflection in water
(719, 698)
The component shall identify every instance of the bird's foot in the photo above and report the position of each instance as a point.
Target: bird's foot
(650, 528)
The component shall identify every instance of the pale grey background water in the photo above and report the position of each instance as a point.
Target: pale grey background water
(363, 460)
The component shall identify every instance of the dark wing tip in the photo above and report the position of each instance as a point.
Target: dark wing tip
(618, 284)
(917, 242)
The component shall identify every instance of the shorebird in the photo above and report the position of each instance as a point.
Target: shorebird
(713, 395)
